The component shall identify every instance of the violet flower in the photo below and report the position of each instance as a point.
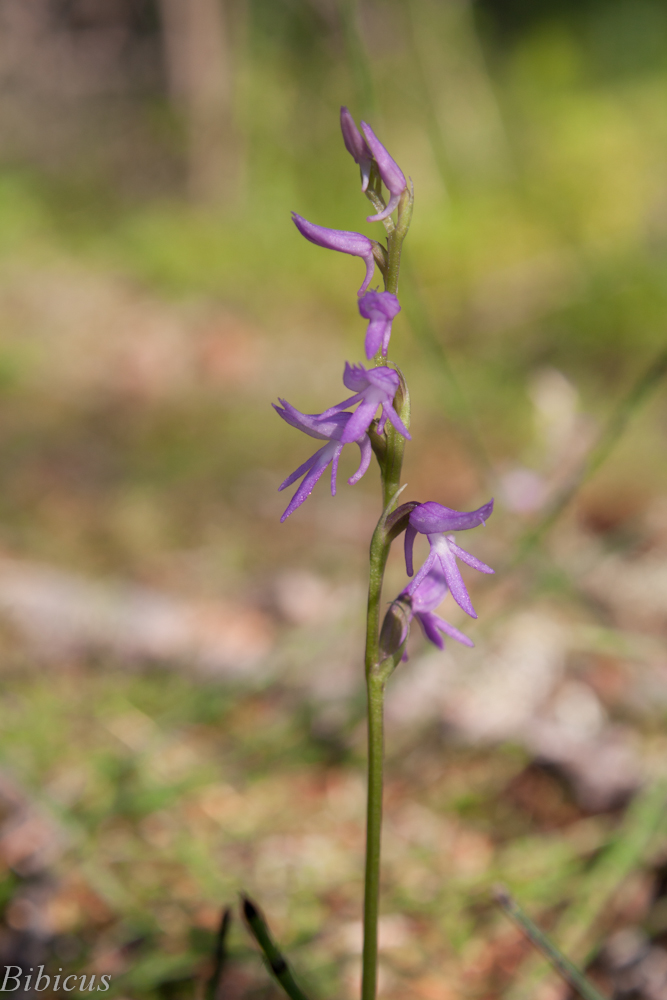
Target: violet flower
(356, 146)
(380, 308)
(327, 427)
(426, 596)
(390, 172)
(374, 387)
(339, 239)
(432, 519)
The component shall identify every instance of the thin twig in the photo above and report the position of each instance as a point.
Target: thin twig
(219, 955)
(565, 969)
(274, 958)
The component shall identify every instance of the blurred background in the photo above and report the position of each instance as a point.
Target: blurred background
(182, 695)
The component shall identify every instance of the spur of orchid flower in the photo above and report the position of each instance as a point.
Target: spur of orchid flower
(355, 244)
(379, 308)
(434, 520)
(375, 387)
(326, 428)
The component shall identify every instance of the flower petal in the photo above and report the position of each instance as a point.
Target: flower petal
(354, 141)
(449, 630)
(355, 377)
(385, 304)
(375, 336)
(334, 468)
(323, 426)
(427, 620)
(370, 271)
(423, 572)
(431, 591)
(366, 454)
(334, 239)
(455, 580)
(392, 205)
(307, 486)
(341, 406)
(396, 421)
(390, 172)
(359, 421)
(470, 560)
(301, 471)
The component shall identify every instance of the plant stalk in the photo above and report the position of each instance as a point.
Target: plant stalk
(377, 671)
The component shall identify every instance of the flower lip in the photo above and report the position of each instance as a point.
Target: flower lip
(341, 240)
(431, 517)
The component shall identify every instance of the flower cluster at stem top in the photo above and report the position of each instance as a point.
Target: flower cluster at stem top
(376, 389)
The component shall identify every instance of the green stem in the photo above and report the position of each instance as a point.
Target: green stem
(377, 671)
(395, 240)
(373, 834)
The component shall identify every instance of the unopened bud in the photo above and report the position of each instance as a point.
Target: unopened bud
(395, 627)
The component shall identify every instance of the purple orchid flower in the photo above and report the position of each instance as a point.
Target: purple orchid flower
(380, 308)
(390, 172)
(328, 427)
(339, 239)
(432, 519)
(356, 146)
(424, 598)
(374, 387)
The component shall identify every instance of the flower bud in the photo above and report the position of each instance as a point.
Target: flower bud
(392, 176)
(395, 627)
(356, 146)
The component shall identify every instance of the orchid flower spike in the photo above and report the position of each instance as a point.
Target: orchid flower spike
(356, 146)
(433, 520)
(390, 172)
(328, 428)
(424, 598)
(380, 308)
(374, 387)
(341, 240)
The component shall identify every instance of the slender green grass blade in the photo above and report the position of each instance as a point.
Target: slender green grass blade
(274, 958)
(577, 930)
(219, 955)
(562, 965)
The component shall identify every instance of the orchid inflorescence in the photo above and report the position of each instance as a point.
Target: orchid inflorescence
(378, 388)
(377, 418)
